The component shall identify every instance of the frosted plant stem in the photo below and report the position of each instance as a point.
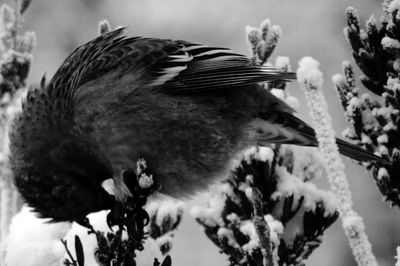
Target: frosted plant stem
(5, 213)
(262, 228)
(310, 79)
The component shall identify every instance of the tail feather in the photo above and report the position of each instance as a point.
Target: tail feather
(357, 153)
(285, 128)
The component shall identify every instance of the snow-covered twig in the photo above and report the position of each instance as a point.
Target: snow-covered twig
(263, 40)
(165, 217)
(310, 79)
(262, 228)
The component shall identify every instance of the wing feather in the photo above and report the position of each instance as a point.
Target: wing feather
(175, 66)
(213, 68)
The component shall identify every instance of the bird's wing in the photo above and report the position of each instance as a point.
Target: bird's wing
(91, 61)
(174, 66)
(197, 68)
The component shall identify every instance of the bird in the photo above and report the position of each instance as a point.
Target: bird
(188, 109)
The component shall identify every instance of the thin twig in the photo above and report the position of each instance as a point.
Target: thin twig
(262, 228)
(64, 242)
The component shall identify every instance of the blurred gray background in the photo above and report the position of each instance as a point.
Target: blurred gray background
(310, 28)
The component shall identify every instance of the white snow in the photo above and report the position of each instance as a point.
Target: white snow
(309, 73)
(382, 139)
(383, 150)
(384, 112)
(248, 229)
(233, 218)
(393, 6)
(264, 154)
(348, 133)
(253, 36)
(287, 184)
(366, 139)
(249, 154)
(309, 164)
(276, 33)
(210, 215)
(248, 192)
(276, 228)
(283, 63)
(353, 104)
(312, 196)
(393, 84)
(225, 233)
(265, 26)
(353, 221)
(290, 185)
(338, 79)
(389, 43)
(257, 153)
(397, 257)
(389, 126)
(165, 240)
(171, 209)
(34, 242)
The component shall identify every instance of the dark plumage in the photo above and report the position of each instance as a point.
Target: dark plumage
(187, 109)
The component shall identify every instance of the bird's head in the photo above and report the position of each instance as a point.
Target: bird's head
(57, 172)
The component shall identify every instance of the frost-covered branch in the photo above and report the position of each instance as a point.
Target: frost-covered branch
(375, 122)
(263, 40)
(164, 220)
(296, 211)
(15, 61)
(310, 79)
(262, 228)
